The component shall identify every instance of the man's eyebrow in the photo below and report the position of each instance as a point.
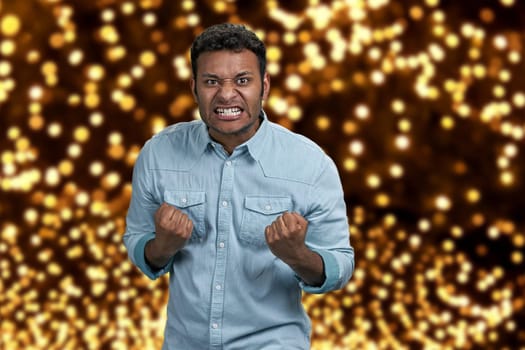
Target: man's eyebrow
(241, 74)
(215, 76)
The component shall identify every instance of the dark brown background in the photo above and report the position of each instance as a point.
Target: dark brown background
(439, 248)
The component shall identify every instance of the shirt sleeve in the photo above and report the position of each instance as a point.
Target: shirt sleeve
(140, 224)
(328, 232)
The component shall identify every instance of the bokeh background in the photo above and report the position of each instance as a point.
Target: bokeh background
(419, 102)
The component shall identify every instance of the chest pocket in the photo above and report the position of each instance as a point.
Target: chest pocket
(192, 203)
(259, 212)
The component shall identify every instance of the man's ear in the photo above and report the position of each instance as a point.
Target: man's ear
(265, 86)
(193, 87)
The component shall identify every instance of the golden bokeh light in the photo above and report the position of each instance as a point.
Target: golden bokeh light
(420, 103)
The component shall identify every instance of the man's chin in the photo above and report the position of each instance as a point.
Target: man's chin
(233, 128)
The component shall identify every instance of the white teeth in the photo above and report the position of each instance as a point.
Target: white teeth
(229, 111)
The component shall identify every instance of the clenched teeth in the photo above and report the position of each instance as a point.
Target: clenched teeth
(228, 111)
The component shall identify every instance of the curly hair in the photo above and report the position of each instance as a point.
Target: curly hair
(227, 36)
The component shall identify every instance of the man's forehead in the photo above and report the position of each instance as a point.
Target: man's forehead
(244, 60)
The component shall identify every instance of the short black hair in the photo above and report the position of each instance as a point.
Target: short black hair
(227, 36)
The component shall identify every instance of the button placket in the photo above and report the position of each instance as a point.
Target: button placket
(224, 220)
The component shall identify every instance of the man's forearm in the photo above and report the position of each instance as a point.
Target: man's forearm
(309, 267)
(155, 256)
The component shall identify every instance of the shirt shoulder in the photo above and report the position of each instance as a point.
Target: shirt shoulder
(180, 129)
(176, 147)
(292, 156)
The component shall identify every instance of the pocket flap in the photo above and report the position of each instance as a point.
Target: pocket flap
(268, 205)
(184, 199)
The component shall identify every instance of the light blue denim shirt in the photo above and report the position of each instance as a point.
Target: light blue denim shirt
(226, 289)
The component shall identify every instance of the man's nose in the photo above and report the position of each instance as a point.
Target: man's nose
(227, 88)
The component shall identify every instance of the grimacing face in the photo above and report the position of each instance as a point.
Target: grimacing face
(227, 89)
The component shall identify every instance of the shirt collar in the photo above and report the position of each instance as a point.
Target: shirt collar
(204, 140)
(255, 144)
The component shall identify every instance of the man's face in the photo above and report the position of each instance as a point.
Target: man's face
(229, 93)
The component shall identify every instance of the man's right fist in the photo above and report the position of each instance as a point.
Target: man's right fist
(172, 229)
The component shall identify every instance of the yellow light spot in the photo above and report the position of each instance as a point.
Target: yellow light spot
(127, 103)
(109, 34)
(137, 72)
(402, 142)
(54, 269)
(362, 111)
(193, 20)
(148, 59)
(350, 164)
(447, 122)
(373, 181)
(10, 25)
(66, 168)
(323, 122)
(31, 216)
(149, 19)
(404, 125)
(448, 245)
(52, 176)
(274, 53)
(473, 195)
(81, 134)
(508, 3)
(356, 147)
(157, 124)
(396, 170)
(295, 113)
(111, 180)
(36, 122)
(507, 178)
(519, 99)
(82, 199)
(382, 199)
(74, 150)
(416, 12)
(293, 82)
(50, 201)
(442, 202)
(54, 130)
(96, 72)
(7, 47)
(500, 42)
(517, 257)
(96, 168)
(398, 106)
(36, 92)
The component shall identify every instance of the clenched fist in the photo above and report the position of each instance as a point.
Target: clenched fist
(286, 239)
(286, 236)
(172, 230)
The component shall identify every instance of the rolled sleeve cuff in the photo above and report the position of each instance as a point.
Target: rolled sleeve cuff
(140, 259)
(332, 275)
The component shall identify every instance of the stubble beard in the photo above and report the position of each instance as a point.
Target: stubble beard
(239, 132)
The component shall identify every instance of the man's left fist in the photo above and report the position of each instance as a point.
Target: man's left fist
(286, 236)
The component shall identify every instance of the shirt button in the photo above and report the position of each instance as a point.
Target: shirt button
(218, 287)
(268, 207)
(214, 326)
(183, 200)
(228, 163)
(221, 244)
(224, 203)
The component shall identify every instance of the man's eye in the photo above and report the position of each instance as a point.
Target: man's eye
(243, 81)
(211, 82)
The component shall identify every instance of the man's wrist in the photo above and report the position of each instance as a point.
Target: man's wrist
(156, 254)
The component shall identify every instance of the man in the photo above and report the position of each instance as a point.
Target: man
(241, 212)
